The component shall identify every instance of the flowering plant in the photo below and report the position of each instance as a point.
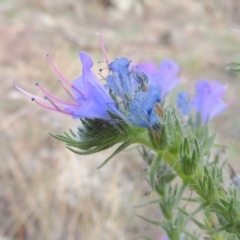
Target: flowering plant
(174, 141)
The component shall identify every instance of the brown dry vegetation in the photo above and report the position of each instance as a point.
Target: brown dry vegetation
(48, 192)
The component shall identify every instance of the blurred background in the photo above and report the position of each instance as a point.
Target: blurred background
(47, 192)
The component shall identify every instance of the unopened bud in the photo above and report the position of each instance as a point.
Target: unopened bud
(186, 147)
(186, 164)
(189, 158)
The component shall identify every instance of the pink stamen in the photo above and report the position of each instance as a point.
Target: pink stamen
(55, 105)
(50, 108)
(70, 95)
(27, 93)
(102, 47)
(232, 101)
(62, 77)
(54, 97)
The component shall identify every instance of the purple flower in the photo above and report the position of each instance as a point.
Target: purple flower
(89, 99)
(208, 100)
(148, 68)
(165, 77)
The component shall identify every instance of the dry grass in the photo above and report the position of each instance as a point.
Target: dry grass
(48, 192)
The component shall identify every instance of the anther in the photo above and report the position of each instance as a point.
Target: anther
(33, 99)
(101, 69)
(55, 105)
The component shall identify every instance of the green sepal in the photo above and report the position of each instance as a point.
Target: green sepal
(197, 148)
(231, 211)
(186, 165)
(164, 139)
(186, 147)
(154, 166)
(95, 135)
(189, 158)
(154, 134)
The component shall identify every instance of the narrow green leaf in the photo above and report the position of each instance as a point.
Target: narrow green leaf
(149, 221)
(146, 204)
(217, 230)
(201, 225)
(119, 149)
(202, 206)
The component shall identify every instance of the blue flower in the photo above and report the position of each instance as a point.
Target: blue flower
(89, 99)
(133, 91)
(128, 94)
(141, 109)
(121, 81)
(184, 103)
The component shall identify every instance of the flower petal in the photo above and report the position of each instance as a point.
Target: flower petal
(148, 68)
(166, 78)
(184, 103)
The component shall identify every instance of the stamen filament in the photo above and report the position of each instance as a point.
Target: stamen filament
(54, 97)
(102, 47)
(71, 96)
(231, 101)
(55, 105)
(62, 77)
(27, 93)
(49, 108)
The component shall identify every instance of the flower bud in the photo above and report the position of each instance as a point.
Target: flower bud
(189, 158)
(186, 147)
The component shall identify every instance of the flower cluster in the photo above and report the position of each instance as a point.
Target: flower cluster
(131, 94)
